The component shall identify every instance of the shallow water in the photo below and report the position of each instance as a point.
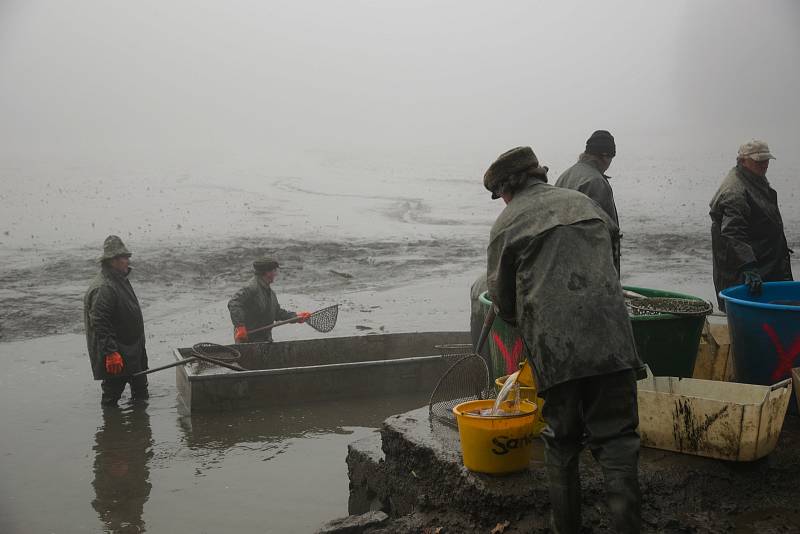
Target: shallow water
(70, 466)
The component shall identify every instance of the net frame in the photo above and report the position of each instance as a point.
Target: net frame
(212, 351)
(452, 352)
(215, 351)
(464, 380)
(324, 320)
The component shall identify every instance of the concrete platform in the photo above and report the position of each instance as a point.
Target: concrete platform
(413, 472)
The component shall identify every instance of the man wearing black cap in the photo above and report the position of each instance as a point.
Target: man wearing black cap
(588, 176)
(256, 305)
(115, 327)
(551, 273)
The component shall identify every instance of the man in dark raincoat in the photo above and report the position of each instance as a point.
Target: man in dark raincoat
(747, 239)
(256, 305)
(115, 327)
(588, 176)
(551, 272)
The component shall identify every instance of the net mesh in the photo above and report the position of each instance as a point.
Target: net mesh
(677, 306)
(215, 352)
(325, 319)
(466, 379)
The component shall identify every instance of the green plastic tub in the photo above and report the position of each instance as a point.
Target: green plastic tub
(667, 343)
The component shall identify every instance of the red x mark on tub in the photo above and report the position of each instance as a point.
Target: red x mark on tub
(785, 358)
(512, 359)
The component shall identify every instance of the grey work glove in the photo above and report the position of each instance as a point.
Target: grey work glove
(753, 281)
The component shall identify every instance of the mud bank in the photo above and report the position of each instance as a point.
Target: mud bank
(413, 472)
(46, 298)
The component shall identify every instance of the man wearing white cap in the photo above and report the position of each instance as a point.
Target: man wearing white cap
(747, 239)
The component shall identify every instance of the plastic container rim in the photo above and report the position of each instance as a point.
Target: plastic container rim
(457, 411)
(762, 305)
(484, 298)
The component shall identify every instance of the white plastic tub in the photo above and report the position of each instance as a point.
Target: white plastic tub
(725, 420)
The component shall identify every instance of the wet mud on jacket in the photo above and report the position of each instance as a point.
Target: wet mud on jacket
(747, 229)
(113, 321)
(256, 305)
(550, 271)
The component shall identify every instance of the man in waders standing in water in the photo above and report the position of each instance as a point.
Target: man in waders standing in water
(115, 327)
(551, 273)
(255, 305)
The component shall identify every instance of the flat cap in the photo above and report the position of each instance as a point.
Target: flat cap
(515, 161)
(265, 265)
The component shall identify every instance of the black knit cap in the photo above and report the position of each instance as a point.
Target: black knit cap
(601, 143)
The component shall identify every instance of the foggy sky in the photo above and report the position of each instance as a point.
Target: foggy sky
(192, 82)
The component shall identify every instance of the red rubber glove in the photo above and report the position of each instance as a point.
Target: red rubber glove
(114, 363)
(303, 316)
(240, 334)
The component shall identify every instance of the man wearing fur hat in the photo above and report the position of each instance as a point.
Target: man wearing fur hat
(747, 239)
(588, 176)
(255, 305)
(550, 272)
(115, 327)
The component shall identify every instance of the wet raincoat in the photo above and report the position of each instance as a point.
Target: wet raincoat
(585, 177)
(113, 321)
(550, 271)
(256, 305)
(747, 230)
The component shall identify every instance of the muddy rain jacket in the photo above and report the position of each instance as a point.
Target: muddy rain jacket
(550, 272)
(256, 305)
(747, 230)
(585, 177)
(113, 321)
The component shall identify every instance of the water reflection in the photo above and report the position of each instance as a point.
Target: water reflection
(267, 430)
(122, 451)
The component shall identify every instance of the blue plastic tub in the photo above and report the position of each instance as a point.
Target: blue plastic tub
(765, 331)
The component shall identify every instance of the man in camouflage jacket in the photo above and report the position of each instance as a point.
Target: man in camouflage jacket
(115, 327)
(551, 273)
(747, 238)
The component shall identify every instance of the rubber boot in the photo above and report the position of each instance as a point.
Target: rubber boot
(112, 391)
(624, 502)
(139, 391)
(565, 498)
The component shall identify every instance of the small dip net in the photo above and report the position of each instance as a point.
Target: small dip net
(213, 351)
(325, 319)
(672, 305)
(466, 379)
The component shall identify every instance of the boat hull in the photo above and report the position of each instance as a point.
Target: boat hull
(315, 370)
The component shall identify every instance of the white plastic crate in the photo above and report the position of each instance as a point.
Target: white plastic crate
(725, 420)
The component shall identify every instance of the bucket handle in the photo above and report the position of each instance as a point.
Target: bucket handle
(782, 384)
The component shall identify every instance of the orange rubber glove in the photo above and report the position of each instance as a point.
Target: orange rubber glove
(303, 316)
(114, 363)
(240, 334)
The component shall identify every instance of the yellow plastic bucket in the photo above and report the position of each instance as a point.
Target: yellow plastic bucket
(530, 394)
(496, 445)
